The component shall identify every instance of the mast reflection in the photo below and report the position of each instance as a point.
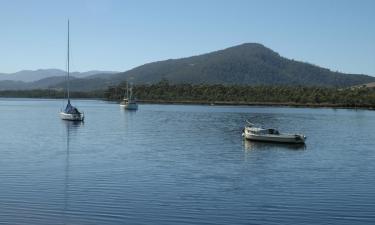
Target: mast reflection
(71, 129)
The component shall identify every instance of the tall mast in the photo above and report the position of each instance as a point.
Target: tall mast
(127, 90)
(67, 84)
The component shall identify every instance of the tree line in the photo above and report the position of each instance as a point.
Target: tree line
(237, 94)
(221, 94)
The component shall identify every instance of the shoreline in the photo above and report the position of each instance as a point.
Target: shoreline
(218, 103)
(275, 104)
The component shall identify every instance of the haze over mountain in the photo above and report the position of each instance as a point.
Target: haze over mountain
(246, 64)
(35, 75)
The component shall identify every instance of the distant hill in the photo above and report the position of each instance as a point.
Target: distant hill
(58, 83)
(35, 75)
(39, 84)
(53, 78)
(246, 64)
(84, 84)
(31, 75)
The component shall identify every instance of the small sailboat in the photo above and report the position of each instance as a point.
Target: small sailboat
(129, 102)
(70, 113)
(252, 133)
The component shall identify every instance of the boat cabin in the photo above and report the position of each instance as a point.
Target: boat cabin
(261, 131)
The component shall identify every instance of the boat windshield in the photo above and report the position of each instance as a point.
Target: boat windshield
(273, 131)
(264, 131)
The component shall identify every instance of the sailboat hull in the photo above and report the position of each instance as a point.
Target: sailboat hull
(130, 106)
(72, 117)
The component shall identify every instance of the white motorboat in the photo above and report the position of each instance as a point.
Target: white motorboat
(129, 102)
(70, 112)
(250, 132)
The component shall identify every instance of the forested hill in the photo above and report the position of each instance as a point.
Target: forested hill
(246, 64)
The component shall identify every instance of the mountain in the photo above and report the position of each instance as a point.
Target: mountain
(246, 64)
(39, 84)
(31, 75)
(35, 75)
(85, 84)
(54, 78)
(12, 85)
(58, 83)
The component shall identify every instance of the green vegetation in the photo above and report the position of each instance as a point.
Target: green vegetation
(247, 64)
(164, 92)
(45, 93)
(236, 94)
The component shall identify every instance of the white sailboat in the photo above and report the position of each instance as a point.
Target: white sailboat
(129, 102)
(70, 112)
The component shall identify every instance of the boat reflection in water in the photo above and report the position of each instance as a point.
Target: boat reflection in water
(255, 145)
(71, 128)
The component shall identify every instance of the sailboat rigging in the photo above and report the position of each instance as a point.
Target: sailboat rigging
(70, 112)
(129, 102)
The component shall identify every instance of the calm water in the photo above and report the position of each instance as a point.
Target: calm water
(177, 164)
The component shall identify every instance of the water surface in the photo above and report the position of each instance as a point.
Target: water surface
(183, 164)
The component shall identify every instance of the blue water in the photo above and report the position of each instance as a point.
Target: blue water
(183, 164)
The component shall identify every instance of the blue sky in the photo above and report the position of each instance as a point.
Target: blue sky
(122, 34)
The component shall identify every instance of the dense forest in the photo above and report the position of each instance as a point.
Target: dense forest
(236, 94)
(247, 64)
(164, 92)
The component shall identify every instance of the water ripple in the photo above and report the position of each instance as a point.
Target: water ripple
(168, 164)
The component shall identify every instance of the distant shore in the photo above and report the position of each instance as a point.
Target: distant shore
(210, 94)
(213, 103)
(361, 98)
(239, 103)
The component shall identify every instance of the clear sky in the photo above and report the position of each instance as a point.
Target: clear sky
(122, 34)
